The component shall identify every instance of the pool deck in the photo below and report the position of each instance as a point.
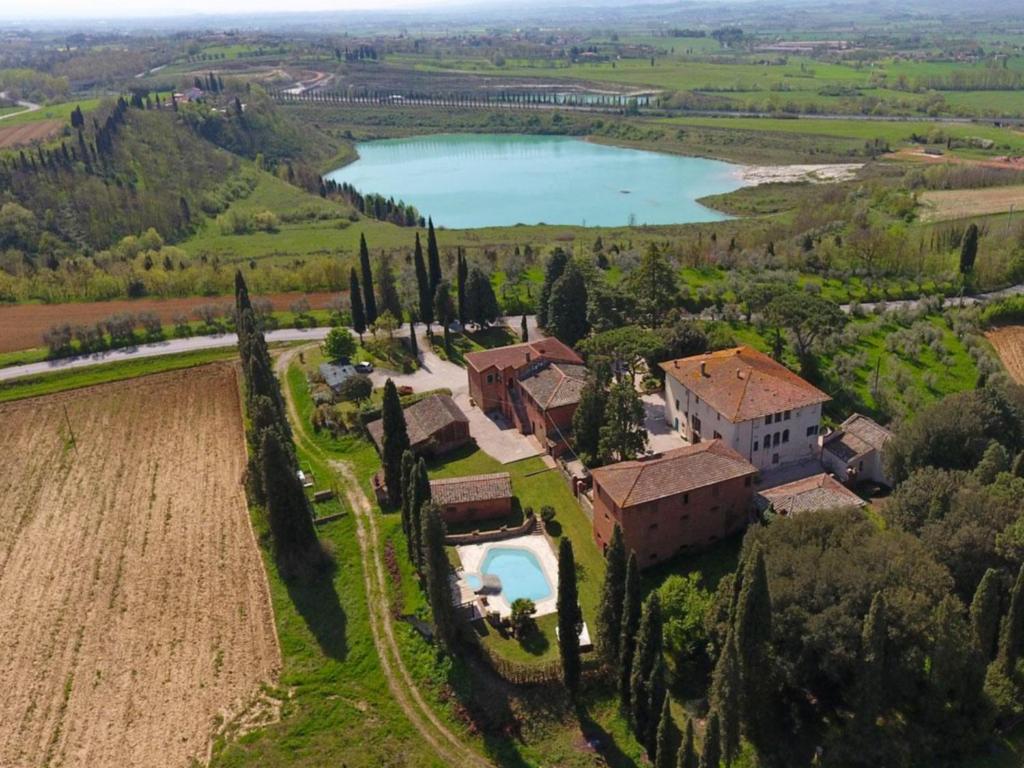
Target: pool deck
(473, 555)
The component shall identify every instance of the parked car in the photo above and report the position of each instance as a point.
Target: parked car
(364, 366)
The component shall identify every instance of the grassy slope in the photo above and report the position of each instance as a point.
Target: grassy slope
(51, 112)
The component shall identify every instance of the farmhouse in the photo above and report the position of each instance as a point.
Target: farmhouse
(535, 385)
(854, 451)
(756, 406)
(436, 425)
(474, 497)
(817, 492)
(672, 502)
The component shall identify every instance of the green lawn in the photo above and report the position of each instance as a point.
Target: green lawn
(51, 112)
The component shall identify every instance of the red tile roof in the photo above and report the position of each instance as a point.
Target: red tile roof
(816, 492)
(423, 419)
(855, 437)
(680, 470)
(742, 383)
(555, 385)
(472, 488)
(519, 355)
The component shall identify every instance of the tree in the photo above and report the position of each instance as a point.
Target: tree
(969, 250)
(871, 682)
(420, 496)
(414, 345)
(438, 581)
(654, 285)
(369, 297)
(356, 298)
(444, 307)
(523, 609)
(570, 619)
(684, 605)
(567, 307)
(711, 756)
(291, 522)
(609, 615)
(339, 344)
(389, 300)
(408, 481)
(687, 757)
(993, 461)
(395, 441)
(433, 257)
(667, 740)
(462, 274)
(587, 420)
(985, 613)
(753, 624)
(356, 388)
(524, 334)
(623, 436)
(807, 317)
(1011, 633)
(631, 607)
(386, 323)
(645, 657)
(725, 696)
(481, 303)
(423, 284)
(554, 269)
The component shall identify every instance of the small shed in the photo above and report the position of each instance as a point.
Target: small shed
(809, 494)
(474, 497)
(853, 452)
(435, 424)
(336, 373)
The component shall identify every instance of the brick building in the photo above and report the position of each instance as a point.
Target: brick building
(474, 497)
(436, 425)
(815, 493)
(677, 501)
(535, 385)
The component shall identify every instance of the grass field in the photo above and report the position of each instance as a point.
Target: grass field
(134, 604)
(946, 204)
(61, 112)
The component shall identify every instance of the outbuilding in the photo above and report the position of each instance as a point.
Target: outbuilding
(474, 497)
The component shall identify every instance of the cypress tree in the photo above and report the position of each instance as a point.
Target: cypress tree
(1012, 630)
(414, 345)
(420, 485)
(753, 634)
(437, 569)
(645, 656)
(985, 610)
(969, 249)
(408, 477)
(687, 757)
(433, 257)
(523, 331)
(291, 523)
(395, 441)
(423, 284)
(369, 299)
(566, 316)
(613, 592)
(657, 695)
(957, 673)
(631, 605)
(667, 741)
(587, 420)
(725, 697)
(1017, 468)
(388, 299)
(356, 299)
(570, 620)
(462, 273)
(554, 269)
(711, 755)
(871, 681)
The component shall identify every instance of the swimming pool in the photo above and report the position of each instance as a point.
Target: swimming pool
(520, 573)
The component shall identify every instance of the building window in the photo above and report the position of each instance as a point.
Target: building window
(676, 423)
(785, 435)
(654, 555)
(686, 498)
(755, 445)
(778, 417)
(775, 458)
(775, 438)
(768, 419)
(812, 430)
(490, 378)
(653, 526)
(677, 403)
(696, 424)
(786, 415)
(684, 518)
(717, 436)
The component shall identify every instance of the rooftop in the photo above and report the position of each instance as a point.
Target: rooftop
(855, 437)
(337, 372)
(663, 475)
(472, 488)
(555, 384)
(816, 492)
(519, 355)
(742, 383)
(423, 419)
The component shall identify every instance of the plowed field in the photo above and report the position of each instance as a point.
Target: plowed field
(26, 133)
(134, 610)
(1009, 343)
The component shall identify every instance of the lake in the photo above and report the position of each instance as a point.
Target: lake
(465, 181)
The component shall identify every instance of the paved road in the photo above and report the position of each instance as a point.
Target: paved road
(196, 343)
(28, 107)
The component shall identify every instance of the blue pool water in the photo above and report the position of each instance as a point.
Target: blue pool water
(474, 581)
(519, 571)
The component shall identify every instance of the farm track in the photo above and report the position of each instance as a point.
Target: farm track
(134, 605)
(448, 747)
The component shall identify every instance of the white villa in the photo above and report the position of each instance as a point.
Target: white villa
(756, 406)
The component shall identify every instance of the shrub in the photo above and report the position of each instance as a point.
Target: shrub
(547, 513)
(523, 609)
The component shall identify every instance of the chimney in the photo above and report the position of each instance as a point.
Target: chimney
(675, 363)
(739, 374)
(703, 367)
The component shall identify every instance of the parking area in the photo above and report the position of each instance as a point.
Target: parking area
(660, 435)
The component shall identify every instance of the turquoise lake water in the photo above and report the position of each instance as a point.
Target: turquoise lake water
(468, 181)
(519, 571)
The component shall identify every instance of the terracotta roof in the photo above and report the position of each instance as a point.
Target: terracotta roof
(466, 490)
(554, 384)
(519, 355)
(423, 419)
(742, 383)
(855, 437)
(680, 470)
(811, 493)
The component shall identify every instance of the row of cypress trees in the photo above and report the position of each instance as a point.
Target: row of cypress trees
(273, 480)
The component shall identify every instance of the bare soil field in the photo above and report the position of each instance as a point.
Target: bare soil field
(1009, 344)
(26, 133)
(942, 205)
(134, 606)
(22, 325)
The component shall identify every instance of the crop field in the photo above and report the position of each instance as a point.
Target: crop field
(26, 133)
(1009, 344)
(946, 204)
(134, 605)
(22, 325)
